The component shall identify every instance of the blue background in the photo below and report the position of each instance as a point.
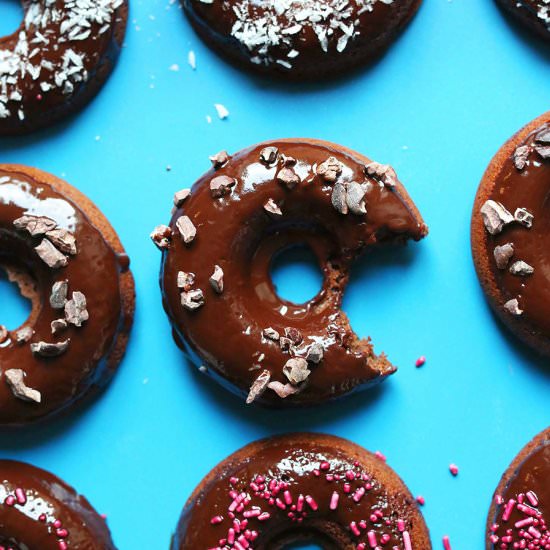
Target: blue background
(453, 88)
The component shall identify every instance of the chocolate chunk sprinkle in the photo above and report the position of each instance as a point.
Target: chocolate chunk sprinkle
(521, 268)
(355, 198)
(186, 280)
(192, 299)
(3, 334)
(294, 335)
(330, 169)
(58, 325)
(50, 255)
(495, 217)
(512, 306)
(161, 236)
(23, 335)
(523, 216)
(75, 310)
(58, 297)
(503, 254)
(216, 279)
(285, 343)
(187, 229)
(315, 353)
(271, 208)
(543, 151)
(63, 240)
(181, 196)
(259, 386)
(339, 198)
(296, 370)
(283, 390)
(521, 154)
(15, 380)
(288, 177)
(219, 159)
(269, 155)
(543, 137)
(50, 349)
(221, 185)
(382, 172)
(271, 334)
(35, 225)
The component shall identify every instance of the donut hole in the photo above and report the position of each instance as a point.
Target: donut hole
(17, 287)
(296, 274)
(12, 16)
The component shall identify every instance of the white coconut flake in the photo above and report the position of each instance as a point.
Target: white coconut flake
(222, 111)
(191, 59)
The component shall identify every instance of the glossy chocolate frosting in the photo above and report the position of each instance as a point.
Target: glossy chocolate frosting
(301, 487)
(56, 59)
(524, 182)
(299, 38)
(535, 13)
(521, 515)
(235, 232)
(93, 271)
(38, 511)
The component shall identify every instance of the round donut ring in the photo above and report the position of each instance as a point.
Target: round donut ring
(300, 39)
(40, 511)
(69, 262)
(57, 60)
(217, 252)
(301, 488)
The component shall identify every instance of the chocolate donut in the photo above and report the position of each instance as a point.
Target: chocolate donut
(301, 487)
(511, 233)
(69, 262)
(39, 511)
(57, 60)
(217, 252)
(519, 516)
(533, 14)
(299, 39)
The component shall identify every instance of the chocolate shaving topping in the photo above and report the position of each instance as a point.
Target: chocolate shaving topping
(271, 208)
(75, 309)
(63, 240)
(269, 155)
(221, 185)
(181, 196)
(521, 154)
(186, 280)
(355, 198)
(258, 387)
(50, 349)
(523, 216)
(35, 225)
(50, 255)
(543, 137)
(58, 325)
(285, 343)
(15, 379)
(23, 335)
(495, 217)
(296, 370)
(288, 160)
(271, 334)
(543, 151)
(339, 198)
(294, 335)
(3, 334)
(521, 268)
(216, 279)
(288, 177)
(283, 390)
(503, 254)
(219, 159)
(192, 299)
(382, 172)
(512, 306)
(330, 169)
(315, 353)
(161, 236)
(58, 297)
(187, 229)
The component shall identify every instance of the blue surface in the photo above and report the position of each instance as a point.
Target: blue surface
(458, 83)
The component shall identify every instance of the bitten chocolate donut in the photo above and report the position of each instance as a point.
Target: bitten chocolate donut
(300, 39)
(217, 253)
(534, 14)
(511, 233)
(519, 516)
(39, 511)
(69, 262)
(57, 60)
(301, 487)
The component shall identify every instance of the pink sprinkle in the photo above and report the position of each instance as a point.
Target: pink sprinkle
(446, 543)
(371, 537)
(334, 500)
(523, 523)
(264, 516)
(407, 541)
(527, 510)
(9, 500)
(420, 361)
(421, 500)
(62, 545)
(358, 495)
(231, 536)
(288, 497)
(216, 519)
(453, 468)
(508, 509)
(380, 456)
(233, 480)
(532, 497)
(21, 496)
(354, 529)
(324, 465)
(400, 525)
(300, 505)
(499, 500)
(42, 517)
(253, 513)
(62, 533)
(312, 504)
(534, 532)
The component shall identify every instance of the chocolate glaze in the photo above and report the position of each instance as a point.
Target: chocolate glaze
(94, 271)
(534, 13)
(236, 233)
(28, 524)
(529, 472)
(527, 188)
(280, 476)
(300, 39)
(43, 80)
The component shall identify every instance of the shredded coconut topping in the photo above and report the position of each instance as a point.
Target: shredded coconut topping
(49, 52)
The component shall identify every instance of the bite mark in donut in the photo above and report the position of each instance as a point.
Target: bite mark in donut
(217, 252)
(301, 487)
